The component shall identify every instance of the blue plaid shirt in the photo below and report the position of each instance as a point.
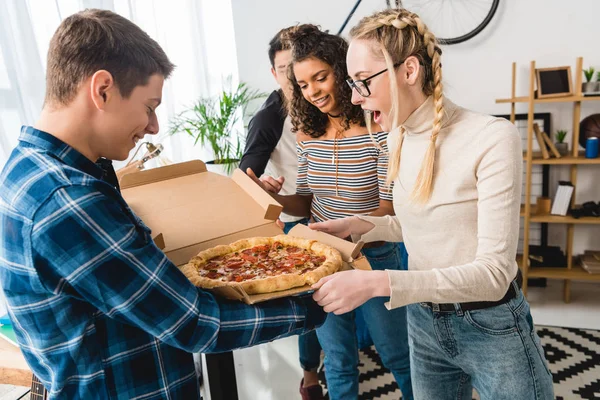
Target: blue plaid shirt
(98, 309)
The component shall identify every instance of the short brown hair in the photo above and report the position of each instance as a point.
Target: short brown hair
(93, 40)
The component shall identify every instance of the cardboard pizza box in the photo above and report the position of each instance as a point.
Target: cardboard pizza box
(190, 209)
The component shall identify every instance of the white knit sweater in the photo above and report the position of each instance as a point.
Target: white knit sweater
(462, 243)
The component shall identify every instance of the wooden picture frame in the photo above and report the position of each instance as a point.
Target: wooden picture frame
(553, 82)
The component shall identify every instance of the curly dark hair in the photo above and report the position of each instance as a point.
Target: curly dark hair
(309, 41)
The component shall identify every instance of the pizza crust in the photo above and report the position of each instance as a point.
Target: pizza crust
(332, 263)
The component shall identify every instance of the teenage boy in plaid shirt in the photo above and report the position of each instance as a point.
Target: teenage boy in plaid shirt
(98, 309)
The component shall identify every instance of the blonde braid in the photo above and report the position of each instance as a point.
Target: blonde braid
(424, 184)
(410, 37)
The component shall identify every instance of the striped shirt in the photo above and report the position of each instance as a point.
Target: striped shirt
(352, 187)
(98, 310)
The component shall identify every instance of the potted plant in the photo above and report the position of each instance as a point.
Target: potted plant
(589, 86)
(561, 146)
(218, 123)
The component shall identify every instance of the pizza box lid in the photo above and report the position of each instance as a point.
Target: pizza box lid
(190, 209)
(195, 209)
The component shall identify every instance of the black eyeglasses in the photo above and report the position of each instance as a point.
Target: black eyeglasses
(362, 85)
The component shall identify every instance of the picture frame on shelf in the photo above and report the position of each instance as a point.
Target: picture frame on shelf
(553, 82)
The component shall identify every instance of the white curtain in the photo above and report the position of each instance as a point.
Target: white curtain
(197, 35)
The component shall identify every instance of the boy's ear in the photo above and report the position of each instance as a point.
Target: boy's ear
(273, 72)
(102, 87)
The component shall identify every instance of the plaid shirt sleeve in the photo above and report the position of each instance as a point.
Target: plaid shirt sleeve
(91, 246)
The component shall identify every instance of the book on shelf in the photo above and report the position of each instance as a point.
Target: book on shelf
(540, 140)
(562, 199)
(590, 261)
(551, 145)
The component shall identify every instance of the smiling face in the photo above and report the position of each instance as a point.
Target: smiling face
(316, 80)
(122, 122)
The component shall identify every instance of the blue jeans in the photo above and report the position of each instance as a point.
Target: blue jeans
(387, 329)
(496, 350)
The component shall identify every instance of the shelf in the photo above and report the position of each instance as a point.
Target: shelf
(576, 273)
(558, 219)
(563, 160)
(567, 219)
(566, 99)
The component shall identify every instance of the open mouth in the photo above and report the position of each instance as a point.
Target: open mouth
(375, 115)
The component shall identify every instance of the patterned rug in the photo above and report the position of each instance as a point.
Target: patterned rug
(573, 354)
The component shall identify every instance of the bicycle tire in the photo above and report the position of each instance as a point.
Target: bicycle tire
(469, 35)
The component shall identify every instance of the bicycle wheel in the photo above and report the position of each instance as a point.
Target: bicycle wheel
(452, 21)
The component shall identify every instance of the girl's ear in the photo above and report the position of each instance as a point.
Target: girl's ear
(411, 70)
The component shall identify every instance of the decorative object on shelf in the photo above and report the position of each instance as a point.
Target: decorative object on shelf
(553, 82)
(545, 143)
(589, 127)
(562, 200)
(546, 257)
(590, 261)
(540, 141)
(589, 86)
(591, 147)
(587, 209)
(543, 205)
(560, 144)
(218, 122)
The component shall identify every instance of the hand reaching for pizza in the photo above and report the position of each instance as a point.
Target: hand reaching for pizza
(344, 291)
(267, 183)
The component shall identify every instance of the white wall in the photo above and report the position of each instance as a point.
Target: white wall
(551, 32)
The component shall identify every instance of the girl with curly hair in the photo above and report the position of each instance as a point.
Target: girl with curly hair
(341, 173)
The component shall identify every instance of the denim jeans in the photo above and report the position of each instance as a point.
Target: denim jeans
(496, 350)
(387, 329)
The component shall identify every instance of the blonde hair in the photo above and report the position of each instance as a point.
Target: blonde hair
(400, 34)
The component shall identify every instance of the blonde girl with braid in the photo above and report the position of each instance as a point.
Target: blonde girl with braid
(456, 196)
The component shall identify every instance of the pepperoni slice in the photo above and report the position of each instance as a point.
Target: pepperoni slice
(234, 264)
(212, 274)
(248, 257)
(261, 249)
(293, 249)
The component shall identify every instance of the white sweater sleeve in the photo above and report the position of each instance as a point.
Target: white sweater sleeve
(387, 228)
(487, 277)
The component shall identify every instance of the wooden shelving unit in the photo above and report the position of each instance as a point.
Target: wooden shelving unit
(576, 158)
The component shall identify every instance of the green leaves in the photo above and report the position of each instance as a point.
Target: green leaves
(560, 135)
(589, 73)
(213, 122)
